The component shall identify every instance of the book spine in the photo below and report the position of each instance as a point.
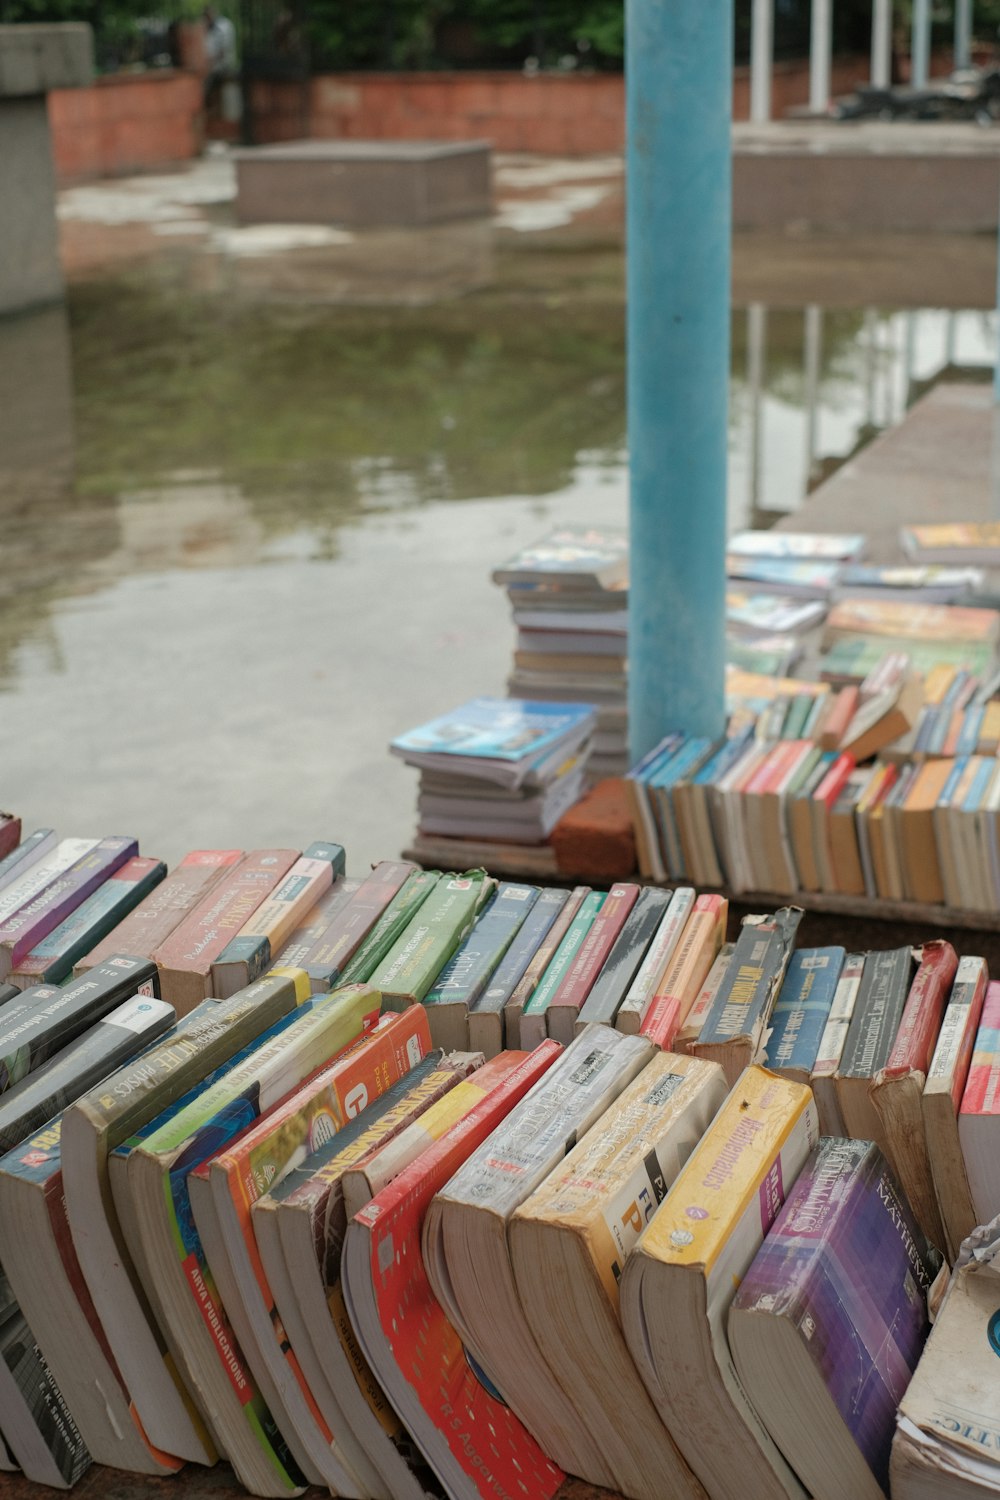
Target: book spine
(381, 934)
(579, 979)
(622, 963)
(467, 972)
(831, 1044)
(19, 860)
(52, 959)
(197, 941)
(949, 1067)
(317, 922)
(803, 1007)
(537, 925)
(547, 949)
(745, 997)
(678, 990)
(27, 927)
(885, 985)
(562, 960)
(164, 908)
(982, 1090)
(921, 1021)
(668, 935)
(411, 967)
(248, 954)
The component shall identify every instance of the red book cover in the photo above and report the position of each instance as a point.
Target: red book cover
(473, 1441)
(579, 981)
(156, 917)
(921, 1018)
(10, 833)
(298, 1125)
(982, 1091)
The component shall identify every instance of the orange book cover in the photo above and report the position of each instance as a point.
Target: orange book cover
(918, 844)
(687, 971)
(841, 713)
(469, 1437)
(299, 1124)
(937, 683)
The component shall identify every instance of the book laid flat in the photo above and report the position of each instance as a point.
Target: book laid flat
(141, 932)
(466, 1254)
(948, 1424)
(203, 1045)
(149, 1179)
(680, 1278)
(733, 1030)
(942, 1099)
(569, 1242)
(896, 1091)
(829, 1322)
(247, 955)
(223, 1191)
(299, 1227)
(474, 1442)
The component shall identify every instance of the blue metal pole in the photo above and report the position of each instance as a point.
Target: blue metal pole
(679, 83)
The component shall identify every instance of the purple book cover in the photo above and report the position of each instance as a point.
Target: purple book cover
(27, 927)
(847, 1263)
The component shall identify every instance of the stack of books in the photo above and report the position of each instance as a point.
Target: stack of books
(460, 1184)
(499, 770)
(569, 599)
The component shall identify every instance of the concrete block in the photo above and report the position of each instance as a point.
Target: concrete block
(35, 59)
(30, 273)
(362, 184)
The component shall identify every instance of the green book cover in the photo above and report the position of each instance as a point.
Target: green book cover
(565, 953)
(390, 926)
(408, 971)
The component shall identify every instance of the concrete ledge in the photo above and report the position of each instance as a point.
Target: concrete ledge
(35, 59)
(363, 184)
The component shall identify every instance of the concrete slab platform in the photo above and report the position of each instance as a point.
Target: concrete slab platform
(34, 59)
(869, 175)
(361, 184)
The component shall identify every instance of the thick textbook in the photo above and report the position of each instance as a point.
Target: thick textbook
(185, 958)
(204, 1044)
(829, 1322)
(223, 1191)
(896, 1091)
(249, 953)
(154, 919)
(464, 978)
(942, 1098)
(38, 1425)
(299, 1228)
(948, 1424)
(680, 1278)
(733, 1031)
(149, 1178)
(53, 958)
(26, 927)
(45, 1020)
(574, 1234)
(510, 741)
(39, 1257)
(466, 1254)
(473, 1442)
(409, 969)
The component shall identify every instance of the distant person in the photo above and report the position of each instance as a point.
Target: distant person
(220, 52)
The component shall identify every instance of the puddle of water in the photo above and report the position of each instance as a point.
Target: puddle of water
(215, 629)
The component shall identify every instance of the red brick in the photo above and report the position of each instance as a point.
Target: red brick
(595, 839)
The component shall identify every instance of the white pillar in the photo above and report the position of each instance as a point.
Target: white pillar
(820, 46)
(871, 364)
(963, 33)
(920, 44)
(761, 59)
(881, 68)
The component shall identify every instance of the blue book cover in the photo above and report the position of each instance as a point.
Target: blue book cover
(507, 729)
(968, 737)
(526, 942)
(981, 779)
(848, 1268)
(802, 1009)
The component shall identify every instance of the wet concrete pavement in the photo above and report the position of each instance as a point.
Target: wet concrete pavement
(253, 485)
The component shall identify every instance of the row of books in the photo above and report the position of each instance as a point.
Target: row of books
(290, 1229)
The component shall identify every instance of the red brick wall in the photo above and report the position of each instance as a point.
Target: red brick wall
(125, 123)
(563, 114)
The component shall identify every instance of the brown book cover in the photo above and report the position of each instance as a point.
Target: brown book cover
(918, 845)
(185, 959)
(163, 910)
